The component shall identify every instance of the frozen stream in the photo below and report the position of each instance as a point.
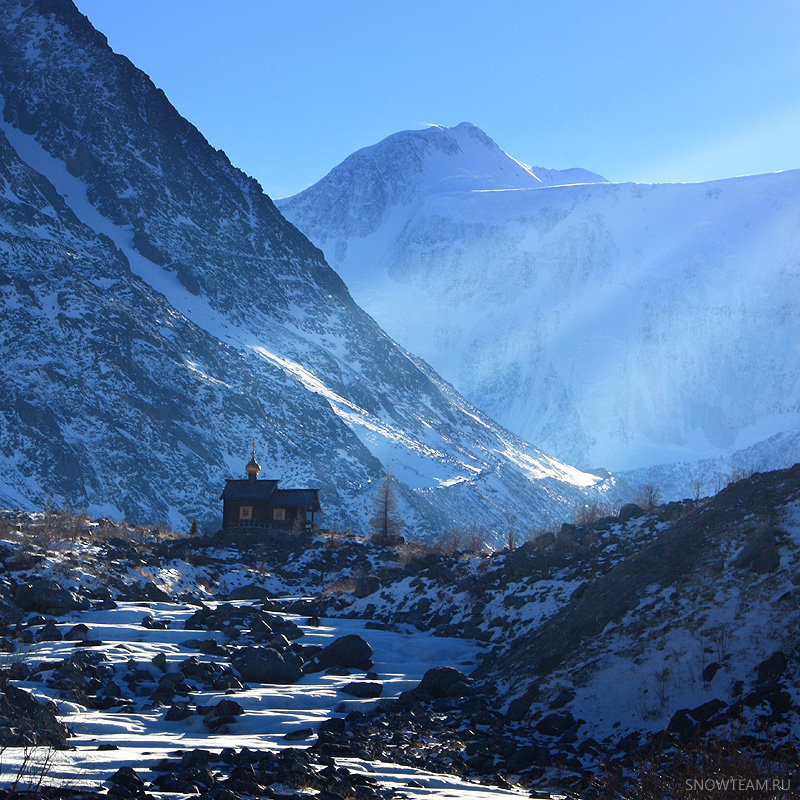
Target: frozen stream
(271, 711)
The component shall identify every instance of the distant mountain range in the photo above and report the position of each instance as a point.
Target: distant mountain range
(653, 329)
(157, 311)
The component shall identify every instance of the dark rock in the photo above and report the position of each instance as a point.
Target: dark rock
(630, 511)
(160, 661)
(443, 682)
(25, 721)
(265, 665)
(367, 585)
(710, 671)
(772, 668)
(48, 597)
(363, 689)
(49, 633)
(77, 633)
(177, 712)
(760, 554)
(555, 724)
(126, 783)
(299, 734)
(346, 651)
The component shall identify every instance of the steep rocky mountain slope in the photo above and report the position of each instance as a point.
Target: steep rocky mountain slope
(158, 311)
(627, 325)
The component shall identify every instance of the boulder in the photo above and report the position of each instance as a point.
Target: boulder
(760, 554)
(630, 511)
(49, 633)
(367, 585)
(363, 689)
(346, 651)
(77, 633)
(48, 597)
(772, 668)
(443, 682)
(265, 665)
(25, 721)
(125, 783)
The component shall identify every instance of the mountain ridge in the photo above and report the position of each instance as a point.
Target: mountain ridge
(220, 321)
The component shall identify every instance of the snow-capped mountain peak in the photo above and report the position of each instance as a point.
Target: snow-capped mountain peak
(405, 168)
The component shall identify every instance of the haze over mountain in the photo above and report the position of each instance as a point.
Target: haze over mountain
(641, 327)
(158, 312)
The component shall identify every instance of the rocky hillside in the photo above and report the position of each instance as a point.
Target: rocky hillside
(649, 328)
(606, 635)
(658, 628)
(158, 312)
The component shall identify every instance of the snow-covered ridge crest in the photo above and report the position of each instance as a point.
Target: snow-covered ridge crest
(407, 166)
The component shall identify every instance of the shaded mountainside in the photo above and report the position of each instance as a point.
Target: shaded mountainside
(158, 311)
(618, 324)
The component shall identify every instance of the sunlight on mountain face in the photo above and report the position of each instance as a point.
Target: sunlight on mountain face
(629, 326)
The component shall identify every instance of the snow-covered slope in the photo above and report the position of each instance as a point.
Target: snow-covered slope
(158, 311)
(624, 325)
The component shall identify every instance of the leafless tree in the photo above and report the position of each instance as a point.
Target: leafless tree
(386, 525)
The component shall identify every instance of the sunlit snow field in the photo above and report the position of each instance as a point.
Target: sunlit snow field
(271, 711)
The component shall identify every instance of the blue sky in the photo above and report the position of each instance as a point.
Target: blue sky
(645, 91)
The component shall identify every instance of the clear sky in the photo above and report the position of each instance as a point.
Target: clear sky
(684, 90)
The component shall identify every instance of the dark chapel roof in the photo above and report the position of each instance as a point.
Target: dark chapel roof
(248, 490)
(267, 490)
(305, 498)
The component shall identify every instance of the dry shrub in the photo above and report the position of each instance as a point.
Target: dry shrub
(706, 769)
(590, 513)
(340, 585)
(411, 554)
